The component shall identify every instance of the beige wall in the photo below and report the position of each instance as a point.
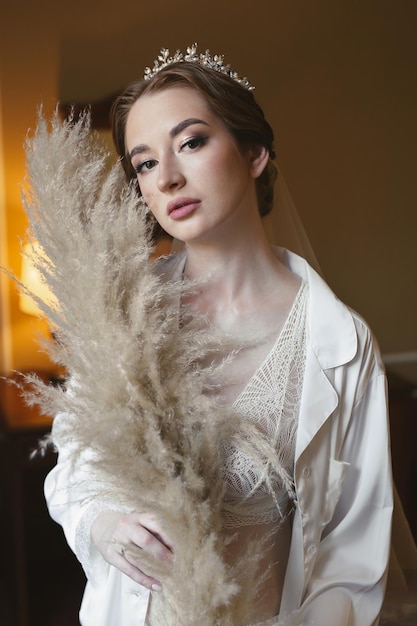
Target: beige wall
(28, 76)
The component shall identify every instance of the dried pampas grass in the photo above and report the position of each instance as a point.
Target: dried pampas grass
(141, 400)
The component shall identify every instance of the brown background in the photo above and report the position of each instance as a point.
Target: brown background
(337, 80)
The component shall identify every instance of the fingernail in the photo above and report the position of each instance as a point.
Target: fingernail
(156, 587)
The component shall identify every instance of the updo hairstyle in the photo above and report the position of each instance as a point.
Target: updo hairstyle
(232, 103)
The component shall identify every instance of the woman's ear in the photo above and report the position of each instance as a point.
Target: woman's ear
(258, 158)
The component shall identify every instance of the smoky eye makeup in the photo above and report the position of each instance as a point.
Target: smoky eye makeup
(188, 144)
(194, 142)
(144, 166)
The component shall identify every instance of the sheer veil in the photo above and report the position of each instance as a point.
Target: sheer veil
(284, 227)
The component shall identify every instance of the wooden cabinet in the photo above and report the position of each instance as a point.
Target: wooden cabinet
(34, 551)
(403, 424)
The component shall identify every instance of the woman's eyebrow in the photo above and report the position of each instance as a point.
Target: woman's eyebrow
(184, 124)
(138, 149)
(173, 132)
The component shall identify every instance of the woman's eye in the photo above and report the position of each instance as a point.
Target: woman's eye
(193, 143)
(145, 166)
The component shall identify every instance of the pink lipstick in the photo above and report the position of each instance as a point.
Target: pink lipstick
(182, 207)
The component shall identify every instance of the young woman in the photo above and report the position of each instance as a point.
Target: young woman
(307, 374)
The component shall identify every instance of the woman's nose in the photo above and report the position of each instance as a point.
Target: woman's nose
(170, 175)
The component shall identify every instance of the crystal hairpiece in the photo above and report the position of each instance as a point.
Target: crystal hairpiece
(206, 59)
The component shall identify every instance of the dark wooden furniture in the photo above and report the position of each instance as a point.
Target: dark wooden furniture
(21, 428)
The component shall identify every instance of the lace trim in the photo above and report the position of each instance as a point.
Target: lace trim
(86, 552)
(271, 400)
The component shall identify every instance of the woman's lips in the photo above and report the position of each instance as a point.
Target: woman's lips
(182, 207)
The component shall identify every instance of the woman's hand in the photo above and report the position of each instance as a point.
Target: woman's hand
(118, 536)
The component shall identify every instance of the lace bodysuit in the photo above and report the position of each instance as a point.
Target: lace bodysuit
(271, 399)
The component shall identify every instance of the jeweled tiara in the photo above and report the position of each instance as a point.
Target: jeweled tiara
(215, 62)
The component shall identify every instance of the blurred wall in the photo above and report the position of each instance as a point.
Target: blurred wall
(337, 81)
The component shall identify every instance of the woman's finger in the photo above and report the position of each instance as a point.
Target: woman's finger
(121, 561)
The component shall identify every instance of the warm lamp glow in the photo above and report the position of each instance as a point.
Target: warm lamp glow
(33, 280)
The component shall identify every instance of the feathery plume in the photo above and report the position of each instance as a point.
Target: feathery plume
(139, 397)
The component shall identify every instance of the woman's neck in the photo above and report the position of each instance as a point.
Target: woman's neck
(239, 282)
(232, 255)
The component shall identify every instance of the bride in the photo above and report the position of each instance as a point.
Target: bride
(307, 376)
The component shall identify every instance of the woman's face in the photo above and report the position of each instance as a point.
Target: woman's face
(192, 175)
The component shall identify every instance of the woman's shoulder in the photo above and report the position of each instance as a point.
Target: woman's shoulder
(338, 333)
